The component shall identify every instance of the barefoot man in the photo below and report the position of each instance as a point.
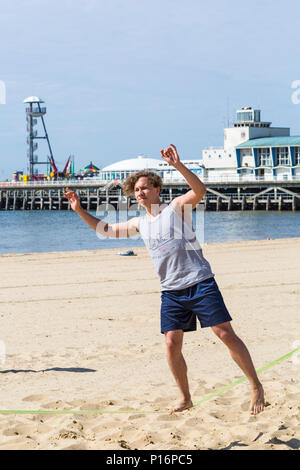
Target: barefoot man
(188, 288)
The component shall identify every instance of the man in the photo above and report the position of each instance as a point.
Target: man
(189, 289)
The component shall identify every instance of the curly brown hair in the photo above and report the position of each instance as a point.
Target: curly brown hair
(129, 183)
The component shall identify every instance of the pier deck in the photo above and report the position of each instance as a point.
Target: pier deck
(98, 195)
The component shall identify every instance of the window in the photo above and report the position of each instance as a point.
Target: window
(264, 157)
(257, 115)
(282, 156)
(245, 116)
(297, 155)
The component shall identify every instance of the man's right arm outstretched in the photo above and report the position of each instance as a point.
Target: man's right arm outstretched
(118, 230)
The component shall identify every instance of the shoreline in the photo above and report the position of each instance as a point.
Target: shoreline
(120, 249)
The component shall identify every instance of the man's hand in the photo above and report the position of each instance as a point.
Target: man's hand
(198, 190)
(171, 156)
(73, 199)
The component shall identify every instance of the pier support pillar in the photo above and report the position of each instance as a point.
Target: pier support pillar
(15, 201)
(243, 203)
(229, 207)
(280, 203)
(295, 203)
(32, 201)
(24, 201)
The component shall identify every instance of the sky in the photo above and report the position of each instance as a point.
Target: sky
(123, 78)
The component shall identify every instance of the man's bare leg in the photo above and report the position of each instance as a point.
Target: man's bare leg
(174, 340)
(241, 356)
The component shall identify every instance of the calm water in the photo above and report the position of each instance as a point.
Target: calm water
(35, 231)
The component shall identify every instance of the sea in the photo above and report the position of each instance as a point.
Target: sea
(50, 231)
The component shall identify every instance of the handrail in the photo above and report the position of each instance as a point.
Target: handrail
(100, 182)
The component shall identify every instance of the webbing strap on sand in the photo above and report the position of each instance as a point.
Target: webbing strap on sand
(208, 397)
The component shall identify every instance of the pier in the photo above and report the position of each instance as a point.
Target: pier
(99, 195)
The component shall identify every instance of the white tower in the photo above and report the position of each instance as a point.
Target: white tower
(33, 112)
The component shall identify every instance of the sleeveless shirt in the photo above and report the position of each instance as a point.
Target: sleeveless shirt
(174, 249)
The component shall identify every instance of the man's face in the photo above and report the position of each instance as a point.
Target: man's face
(145, 193)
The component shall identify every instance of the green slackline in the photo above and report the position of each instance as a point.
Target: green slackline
(208, 397)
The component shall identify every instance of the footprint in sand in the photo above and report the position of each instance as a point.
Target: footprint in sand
(54, 405)
(68, 434)
(34, 398)
(169, 417)
(194, 422)
(137, 416)
(79, 446)
(245, 406)
(20, 430)
(28, 444)
(96, 406)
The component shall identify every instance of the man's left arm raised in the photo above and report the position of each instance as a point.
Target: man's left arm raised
(198, 189)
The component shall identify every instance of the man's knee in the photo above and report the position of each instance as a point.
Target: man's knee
(225, 332)
(174, 341)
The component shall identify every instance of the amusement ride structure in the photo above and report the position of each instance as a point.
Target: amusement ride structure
(34, 112)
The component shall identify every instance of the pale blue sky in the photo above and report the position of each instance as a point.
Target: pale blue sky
(128, 77)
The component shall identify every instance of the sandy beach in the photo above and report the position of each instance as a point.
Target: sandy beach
(82, 332)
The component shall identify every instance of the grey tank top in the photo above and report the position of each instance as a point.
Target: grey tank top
(174, 249)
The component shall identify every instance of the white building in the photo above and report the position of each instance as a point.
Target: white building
(120, 170)
(253, 148)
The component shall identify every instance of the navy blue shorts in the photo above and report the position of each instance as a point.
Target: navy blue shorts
(181, 308)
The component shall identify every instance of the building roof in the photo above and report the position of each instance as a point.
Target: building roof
(135, 164)
(33, 99)
(90, 168)
(283, 141)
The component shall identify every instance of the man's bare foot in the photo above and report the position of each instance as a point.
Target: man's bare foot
(257, 401)
(181, 406)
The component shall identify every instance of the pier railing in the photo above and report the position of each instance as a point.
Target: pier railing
(229, 196)
(99, 182)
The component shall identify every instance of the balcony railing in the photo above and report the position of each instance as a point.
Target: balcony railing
(36, 111)
(100, 182)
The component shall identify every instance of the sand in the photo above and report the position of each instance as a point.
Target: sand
(82, 332)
